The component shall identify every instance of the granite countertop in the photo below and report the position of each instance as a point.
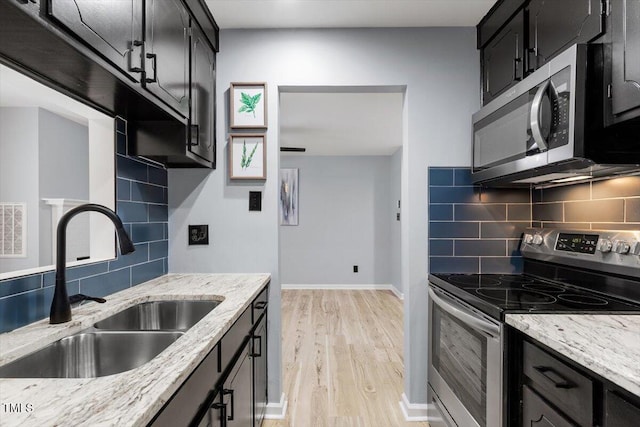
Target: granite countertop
(608, 345)
(131, 398)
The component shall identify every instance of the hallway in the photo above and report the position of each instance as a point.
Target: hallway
(342, 359)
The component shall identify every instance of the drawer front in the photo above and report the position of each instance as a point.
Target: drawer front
(232, 340)
(568, 389)
(259, 305)
(538, 413)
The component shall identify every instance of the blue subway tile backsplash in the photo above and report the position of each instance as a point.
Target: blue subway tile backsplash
(474, 229)
(141, 202)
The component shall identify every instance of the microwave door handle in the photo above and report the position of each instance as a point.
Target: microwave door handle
(469, 319)
(535, 119)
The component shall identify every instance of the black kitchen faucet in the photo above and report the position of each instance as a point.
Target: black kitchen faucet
(61, 306)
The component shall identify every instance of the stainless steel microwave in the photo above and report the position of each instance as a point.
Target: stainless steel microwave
(550, 126)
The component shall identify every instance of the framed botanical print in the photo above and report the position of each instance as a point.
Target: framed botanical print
(247, 156)
(248, 105)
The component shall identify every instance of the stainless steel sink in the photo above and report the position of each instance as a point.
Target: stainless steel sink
(91, 354)
(158, 315)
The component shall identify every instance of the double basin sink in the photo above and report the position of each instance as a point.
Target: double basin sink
(124, 341)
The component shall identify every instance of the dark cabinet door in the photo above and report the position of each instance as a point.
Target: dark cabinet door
(555, 25)
(536, 412)
(167, 52)
(502, 59)
(625, 28)
(203, 115)
(237, 392)
(113, 28)
(620, 412)
(260, 371)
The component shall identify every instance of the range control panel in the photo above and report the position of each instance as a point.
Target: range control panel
(601, 250)
(581, 243)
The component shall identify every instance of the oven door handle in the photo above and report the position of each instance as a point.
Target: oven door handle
(469, 319)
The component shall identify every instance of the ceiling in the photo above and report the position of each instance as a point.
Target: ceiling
(341, 124)
(347, 13)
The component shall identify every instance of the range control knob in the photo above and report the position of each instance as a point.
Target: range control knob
(621, 247)
(605, 245)
(537, 239)
(635, 248)
(528, 238)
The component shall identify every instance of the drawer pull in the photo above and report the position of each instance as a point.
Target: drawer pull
(555, 378)
(260, 305)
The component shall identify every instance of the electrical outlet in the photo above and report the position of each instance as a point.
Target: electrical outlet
(355, 268)
(198, 234)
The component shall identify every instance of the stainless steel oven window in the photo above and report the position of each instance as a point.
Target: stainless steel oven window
(460, 357)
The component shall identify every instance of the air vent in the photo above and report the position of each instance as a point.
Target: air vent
(13, 230)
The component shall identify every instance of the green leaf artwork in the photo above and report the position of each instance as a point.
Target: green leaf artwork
(245, 161)
(249, 103)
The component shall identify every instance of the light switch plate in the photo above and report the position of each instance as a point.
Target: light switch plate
(255, 200)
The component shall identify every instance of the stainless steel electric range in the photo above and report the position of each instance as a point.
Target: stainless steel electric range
(565, 271)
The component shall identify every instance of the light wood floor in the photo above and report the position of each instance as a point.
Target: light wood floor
(342, 359)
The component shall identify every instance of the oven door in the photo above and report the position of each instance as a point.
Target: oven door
(465, 362)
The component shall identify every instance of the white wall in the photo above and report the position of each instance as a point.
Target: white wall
(395, 247)
(63, 173)
(440, 69)
(19, 179)
(343, 221)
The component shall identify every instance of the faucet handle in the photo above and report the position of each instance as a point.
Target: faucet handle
(77, 298)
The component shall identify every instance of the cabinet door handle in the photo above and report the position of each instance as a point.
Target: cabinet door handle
(230, 392)
(531, 63)
(134, 47)
(222, 407)
(261, 305)
(516, 62)
(154, 63)
(258, 353)
(195, 134)
(552, 376)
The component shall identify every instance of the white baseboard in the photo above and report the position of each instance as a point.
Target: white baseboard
(417, 411)
(350, 287)
(278, 410)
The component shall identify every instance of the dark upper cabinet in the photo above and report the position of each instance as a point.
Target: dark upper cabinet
(202, 140)
(625, 37)
(112, 27)
(502, 59)
(555, 25)
(167, 52)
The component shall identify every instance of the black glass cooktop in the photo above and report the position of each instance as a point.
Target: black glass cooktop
(497, 294)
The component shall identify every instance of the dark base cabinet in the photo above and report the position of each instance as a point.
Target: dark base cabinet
(555, 392)
(620, 412)
(536, 412)
(260, 371)
(229, 388)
